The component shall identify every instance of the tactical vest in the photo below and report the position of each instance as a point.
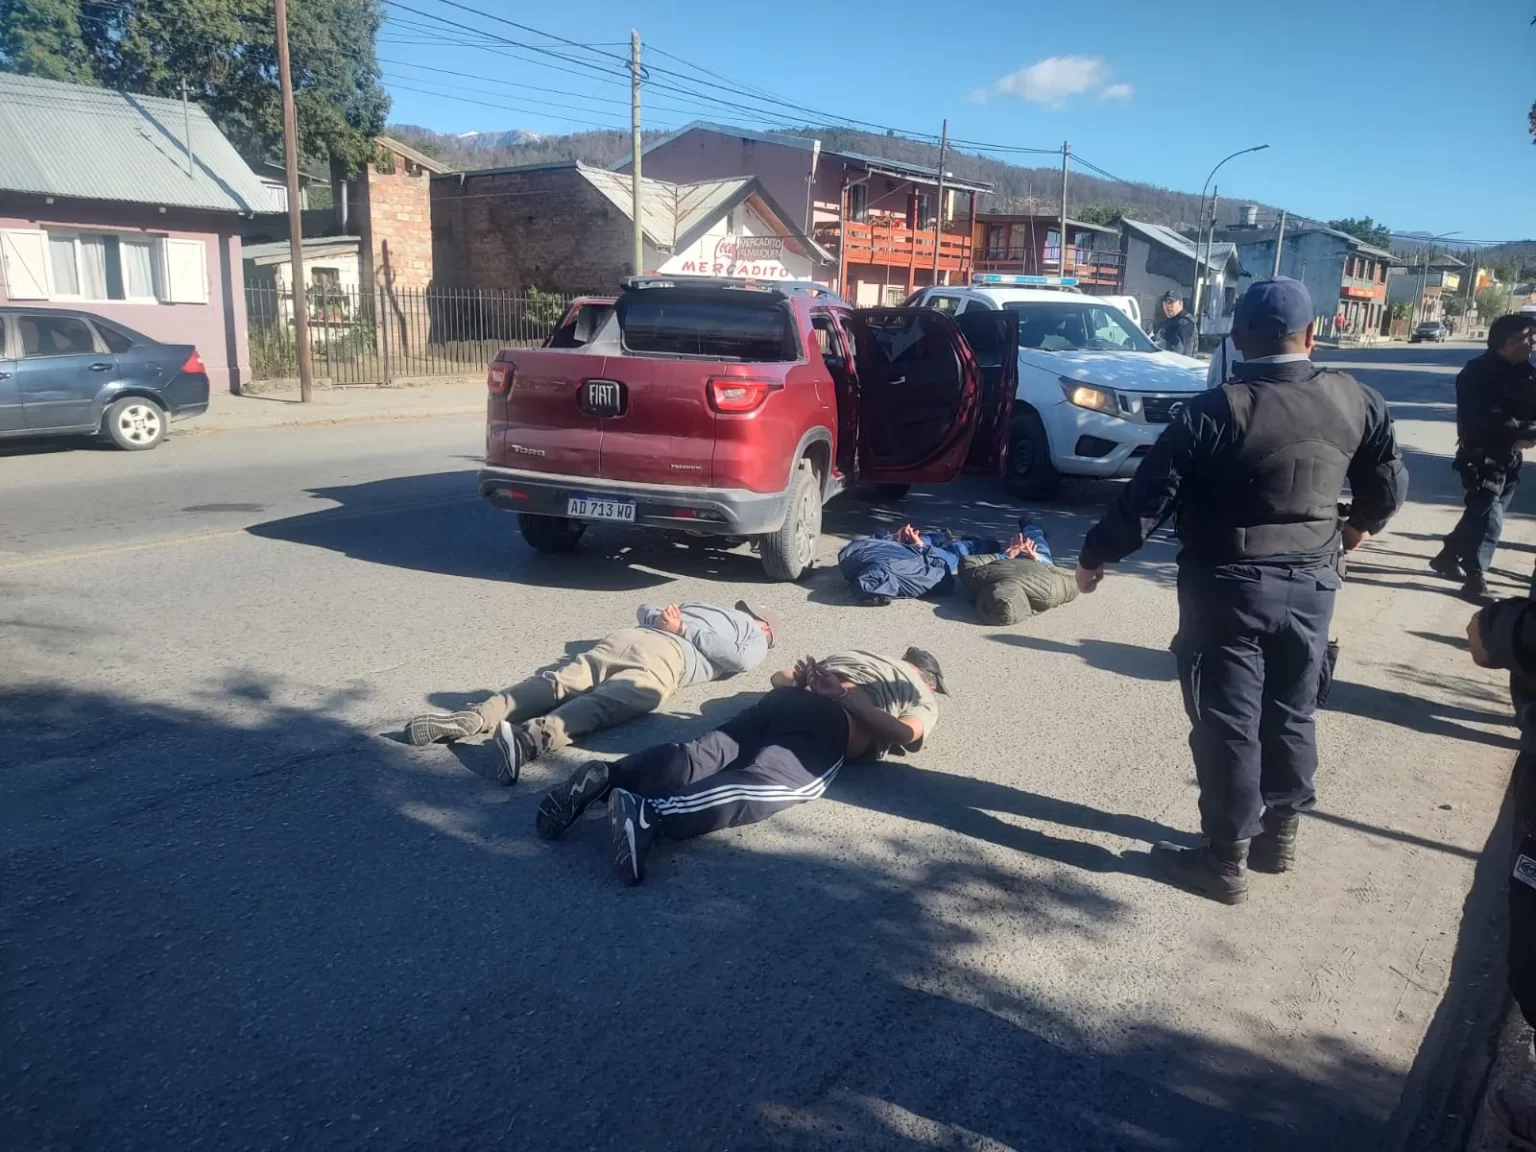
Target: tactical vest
(1273, 493)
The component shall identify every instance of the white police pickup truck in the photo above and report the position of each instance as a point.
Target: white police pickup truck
(1094, 392)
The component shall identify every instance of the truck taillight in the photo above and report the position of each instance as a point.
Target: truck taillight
(195, 364)
(499, 379)
(735, 394)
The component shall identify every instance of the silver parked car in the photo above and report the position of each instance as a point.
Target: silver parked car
(1430, 330)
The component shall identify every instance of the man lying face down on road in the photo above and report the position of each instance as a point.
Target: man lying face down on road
(1018, 582)
(627, 674)
(906, 563)
(784, 750)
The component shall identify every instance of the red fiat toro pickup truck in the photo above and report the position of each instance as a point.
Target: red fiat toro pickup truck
(722, 408)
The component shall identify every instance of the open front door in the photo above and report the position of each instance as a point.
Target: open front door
(919, 393)
(994, 341)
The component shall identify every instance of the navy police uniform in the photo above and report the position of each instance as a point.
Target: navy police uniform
(1254, 471)
(1177, 333)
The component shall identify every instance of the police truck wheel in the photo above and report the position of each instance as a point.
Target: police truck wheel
(788, 552)
(550, 533)
(1031, 475)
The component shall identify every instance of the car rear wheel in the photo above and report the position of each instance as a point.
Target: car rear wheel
(1031, 475)
(135, 424)
(791, 550)
(550, 533)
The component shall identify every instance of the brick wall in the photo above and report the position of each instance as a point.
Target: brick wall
(542, 227)
(396, 224)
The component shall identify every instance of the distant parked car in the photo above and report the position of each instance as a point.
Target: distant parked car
(1430, 330)
(64, 372)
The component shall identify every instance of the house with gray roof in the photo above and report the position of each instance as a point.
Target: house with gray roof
(569, 227)
(1159, 260)
(129, 207)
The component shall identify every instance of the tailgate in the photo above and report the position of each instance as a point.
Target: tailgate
(539, 423)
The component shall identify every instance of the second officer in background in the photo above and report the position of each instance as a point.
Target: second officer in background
(1254, 471)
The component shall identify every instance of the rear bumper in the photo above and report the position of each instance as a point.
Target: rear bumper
(186, 395)
(710, 511)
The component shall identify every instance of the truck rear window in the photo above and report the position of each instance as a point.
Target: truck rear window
(717, 330)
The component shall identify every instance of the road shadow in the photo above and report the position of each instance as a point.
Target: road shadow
(1130, 660)
(279, 930)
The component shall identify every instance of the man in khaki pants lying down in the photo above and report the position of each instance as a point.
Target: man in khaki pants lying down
(627, 674)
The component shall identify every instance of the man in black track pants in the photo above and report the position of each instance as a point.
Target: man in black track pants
(784, 750)
(1255, 470)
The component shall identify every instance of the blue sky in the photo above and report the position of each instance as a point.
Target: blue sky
(1408, 111)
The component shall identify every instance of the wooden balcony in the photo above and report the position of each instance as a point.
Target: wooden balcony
(1101, 270)
(894, 245)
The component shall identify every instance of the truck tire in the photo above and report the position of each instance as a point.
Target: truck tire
(550, 533)
(1031, 475)
(790, 551)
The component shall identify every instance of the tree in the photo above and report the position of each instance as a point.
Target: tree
(1493, 302)
(226, 52)
(1454, 305)
(1101, 213)
(1364, 229)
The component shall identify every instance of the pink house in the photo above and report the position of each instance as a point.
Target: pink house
(129, 207)
(881, 218)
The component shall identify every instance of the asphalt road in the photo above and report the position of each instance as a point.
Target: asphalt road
(237, 913)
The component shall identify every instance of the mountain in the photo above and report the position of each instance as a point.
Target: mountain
(484, 141)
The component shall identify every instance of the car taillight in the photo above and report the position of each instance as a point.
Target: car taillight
(194, 364)
(499, 379)
(735, 394)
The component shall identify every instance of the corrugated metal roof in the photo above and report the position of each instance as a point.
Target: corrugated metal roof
(1168, 238)
(280, 250)
(90, 143)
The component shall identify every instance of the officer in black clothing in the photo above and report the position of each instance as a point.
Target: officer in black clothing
(1495, 421)
(1177, 331)
(1255, 470)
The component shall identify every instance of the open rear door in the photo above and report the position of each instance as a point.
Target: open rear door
(919, 395)
(994, 340)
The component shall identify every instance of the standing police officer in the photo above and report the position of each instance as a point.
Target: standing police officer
(1255, 470)
(1495, 422)
(1177, 331)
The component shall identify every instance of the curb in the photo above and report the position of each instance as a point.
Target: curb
(328, 421)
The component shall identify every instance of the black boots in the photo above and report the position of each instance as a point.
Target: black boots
(1216, 871)
(1444, 564)
(1274, 849)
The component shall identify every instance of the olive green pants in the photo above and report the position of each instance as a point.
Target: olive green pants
(626, 675)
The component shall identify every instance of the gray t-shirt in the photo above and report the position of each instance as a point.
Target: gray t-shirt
(717, 642)
(894, 686)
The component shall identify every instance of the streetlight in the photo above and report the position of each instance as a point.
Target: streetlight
(1200, 231)
(1418, 304)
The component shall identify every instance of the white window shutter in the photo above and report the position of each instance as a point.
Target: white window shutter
(185, 264)
(24, 264)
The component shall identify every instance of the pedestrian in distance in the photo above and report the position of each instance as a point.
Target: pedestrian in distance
(784, 750)
(1254, 471)
(627, 674)
(1177, 331)
(1495, 423)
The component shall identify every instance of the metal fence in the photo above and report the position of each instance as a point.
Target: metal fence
(362, 336)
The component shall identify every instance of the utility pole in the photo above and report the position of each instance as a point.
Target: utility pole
(1066, 155)
(295, 207)
(637, 203)
(1199, 263)
(938, 220)
(186, 123)
(1279, 240)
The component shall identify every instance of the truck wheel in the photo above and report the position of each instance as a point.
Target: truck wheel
(788, 552)
(550, 533)
(1031, 475)
(892, 491)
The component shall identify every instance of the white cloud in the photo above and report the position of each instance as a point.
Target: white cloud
(1055, 80)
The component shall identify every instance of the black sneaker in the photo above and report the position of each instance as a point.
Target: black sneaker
(563, 805)
(1444, 564)
(632, 824)
(1274, 849)
(1475, 590)
(516, 750)
(442, 726)
(1216, 871)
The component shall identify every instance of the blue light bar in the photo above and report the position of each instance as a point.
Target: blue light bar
(1022, 281)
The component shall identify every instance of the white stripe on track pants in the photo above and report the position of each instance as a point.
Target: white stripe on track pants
(782, 751)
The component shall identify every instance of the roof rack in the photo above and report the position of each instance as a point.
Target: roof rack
(784, 288)
(996, 278)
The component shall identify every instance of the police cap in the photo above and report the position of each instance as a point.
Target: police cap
(1273, 309)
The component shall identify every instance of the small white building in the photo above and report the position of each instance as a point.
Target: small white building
(1159, 260)
(332, 275)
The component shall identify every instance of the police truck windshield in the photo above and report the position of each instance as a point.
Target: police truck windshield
(1077, 326)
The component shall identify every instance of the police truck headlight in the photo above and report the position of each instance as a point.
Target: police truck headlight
(1087, 396)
